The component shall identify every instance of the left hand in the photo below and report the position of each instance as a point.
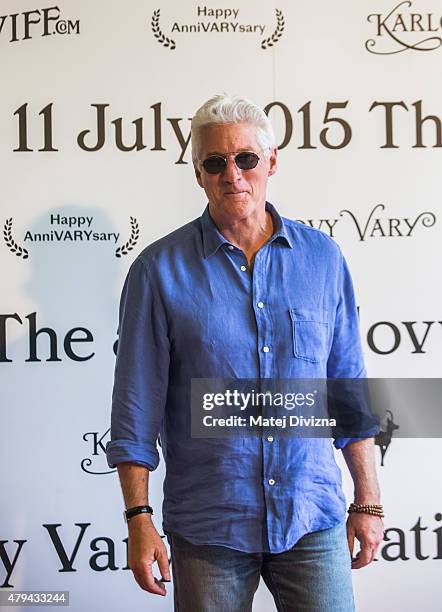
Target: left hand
(369, 530)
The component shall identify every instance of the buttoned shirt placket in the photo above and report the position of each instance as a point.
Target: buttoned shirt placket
(256, 283)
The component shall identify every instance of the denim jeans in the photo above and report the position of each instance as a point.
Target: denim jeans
(313, 576)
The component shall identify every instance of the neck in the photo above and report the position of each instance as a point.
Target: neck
(247, 233)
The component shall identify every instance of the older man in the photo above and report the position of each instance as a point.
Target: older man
(239, 293)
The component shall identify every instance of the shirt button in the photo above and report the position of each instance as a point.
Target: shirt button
(260, 304)
(243, 268)
(230, 247)
(271, 482)
(270, 438)
(265, 349)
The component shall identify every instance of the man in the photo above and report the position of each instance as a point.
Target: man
(239, 293)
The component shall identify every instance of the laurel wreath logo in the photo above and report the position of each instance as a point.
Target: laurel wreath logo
(129, 245)
(10, 242)
(280, 24)
(163, 40)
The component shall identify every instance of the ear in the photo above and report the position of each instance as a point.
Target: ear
(198, 175)
(272, 161)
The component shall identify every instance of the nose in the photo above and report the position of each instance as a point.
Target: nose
(232, 173)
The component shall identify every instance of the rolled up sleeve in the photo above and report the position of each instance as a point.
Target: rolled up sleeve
(346, 358)
(141, 372)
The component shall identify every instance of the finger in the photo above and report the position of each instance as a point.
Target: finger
(163, 565)
(359, 560)
(160, 583)
(364, 557)
(147, 582)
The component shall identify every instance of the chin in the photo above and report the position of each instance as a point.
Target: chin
(242, 199)
(241, 210)
(242, 205)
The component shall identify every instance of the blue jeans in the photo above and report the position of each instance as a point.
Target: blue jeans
(313, 576)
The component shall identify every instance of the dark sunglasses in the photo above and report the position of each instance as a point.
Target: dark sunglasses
(215, 164)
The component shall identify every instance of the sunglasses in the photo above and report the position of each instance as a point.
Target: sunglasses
(215, 164)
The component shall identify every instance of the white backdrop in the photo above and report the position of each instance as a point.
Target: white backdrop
(145, 67)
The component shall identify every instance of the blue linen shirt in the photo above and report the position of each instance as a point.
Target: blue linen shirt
(191, 308)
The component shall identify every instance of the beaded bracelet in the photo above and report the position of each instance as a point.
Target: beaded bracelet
(373, 509)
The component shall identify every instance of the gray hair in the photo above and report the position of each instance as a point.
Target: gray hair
(224, 108)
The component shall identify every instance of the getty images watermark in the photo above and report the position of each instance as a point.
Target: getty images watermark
(294, 407)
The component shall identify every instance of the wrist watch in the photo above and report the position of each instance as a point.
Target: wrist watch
(130, 512)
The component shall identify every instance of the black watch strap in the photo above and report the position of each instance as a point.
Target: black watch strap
(130, 512)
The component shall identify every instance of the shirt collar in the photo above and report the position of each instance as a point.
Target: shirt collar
(213, 239)
(280, 234)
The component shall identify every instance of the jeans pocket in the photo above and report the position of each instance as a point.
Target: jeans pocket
(310, 332)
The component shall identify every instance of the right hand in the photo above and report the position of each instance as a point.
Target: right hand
(144, 548)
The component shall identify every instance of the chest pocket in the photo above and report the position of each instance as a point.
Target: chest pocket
(310, 332)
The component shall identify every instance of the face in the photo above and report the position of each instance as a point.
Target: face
(234, 192)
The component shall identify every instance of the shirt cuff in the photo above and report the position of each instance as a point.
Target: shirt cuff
(370, 433)
(118, 451)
